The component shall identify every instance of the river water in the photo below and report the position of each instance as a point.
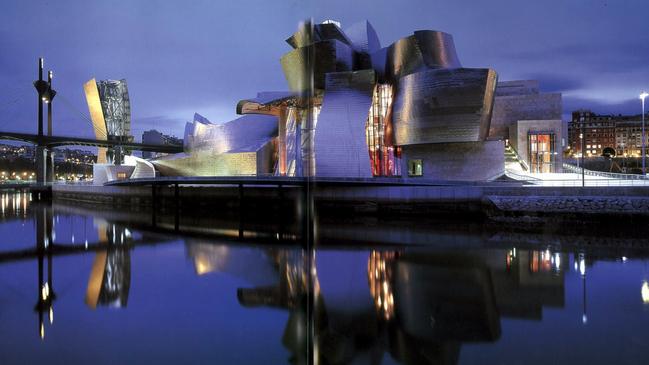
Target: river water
(84, 287)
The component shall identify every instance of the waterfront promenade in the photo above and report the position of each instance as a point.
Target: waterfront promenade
(495, 199)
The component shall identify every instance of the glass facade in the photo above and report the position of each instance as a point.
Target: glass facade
(384, 156)
(541, 152)
(299, 141)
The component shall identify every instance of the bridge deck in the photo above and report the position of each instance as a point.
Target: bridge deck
(55, 141)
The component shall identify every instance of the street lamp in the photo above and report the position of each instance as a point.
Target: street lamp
(643, 95)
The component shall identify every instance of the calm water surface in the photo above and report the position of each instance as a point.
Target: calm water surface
(114, 294)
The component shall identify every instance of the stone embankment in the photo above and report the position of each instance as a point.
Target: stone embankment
(495, 201)
(572, 204)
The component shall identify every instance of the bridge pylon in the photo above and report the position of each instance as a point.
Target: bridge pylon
(45, 94)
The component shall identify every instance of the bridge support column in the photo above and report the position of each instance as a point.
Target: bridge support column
(41, 164)
(118, 155)
(49, 160)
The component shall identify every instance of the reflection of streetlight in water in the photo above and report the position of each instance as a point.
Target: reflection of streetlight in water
(582, 272)
(644, 290)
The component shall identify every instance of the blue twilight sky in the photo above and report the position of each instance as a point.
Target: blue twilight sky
(181, 57)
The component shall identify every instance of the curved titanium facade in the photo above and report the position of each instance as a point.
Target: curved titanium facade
(441, 106)
(425, 49)
(363, 37)
(355, 110)
(432, 99)
(243, 146)
(314, 61)
(340, 147)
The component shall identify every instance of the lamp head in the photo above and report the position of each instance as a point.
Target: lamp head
(643, 95)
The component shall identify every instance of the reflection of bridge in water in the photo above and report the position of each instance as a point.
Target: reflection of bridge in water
(110, 276)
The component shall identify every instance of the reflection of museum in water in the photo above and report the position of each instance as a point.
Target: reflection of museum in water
(417, 306)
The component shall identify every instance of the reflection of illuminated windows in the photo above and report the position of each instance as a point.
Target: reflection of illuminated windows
(544, 261)
(511, 257)
(379, 273)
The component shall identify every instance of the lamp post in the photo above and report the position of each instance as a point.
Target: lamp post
(45, 94)
(582, 136)
(49, 157)
(643, 95)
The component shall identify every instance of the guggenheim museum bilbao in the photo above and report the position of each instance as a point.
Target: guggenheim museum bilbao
(355, 109)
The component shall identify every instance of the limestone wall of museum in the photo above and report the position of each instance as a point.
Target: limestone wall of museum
(468, 161)
(518, 134)
(509, 109)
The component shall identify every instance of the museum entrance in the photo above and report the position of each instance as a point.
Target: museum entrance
(541, 152)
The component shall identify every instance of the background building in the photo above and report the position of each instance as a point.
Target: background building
(157, 138)
(617, 135)
(628, 137)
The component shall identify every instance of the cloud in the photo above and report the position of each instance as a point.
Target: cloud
(556, 83)
(611, 56)
(626, 107)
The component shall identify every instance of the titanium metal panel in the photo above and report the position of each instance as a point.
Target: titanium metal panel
(308, 34)
(363, 37)
(444, 105)
(423, 50)
(340, 143)
(244, 134)
(201, 119)
(97, 117)
(330, 31)
(264, 103)
(312, 62)
(208, 163)
(303, 37)
(437, 49)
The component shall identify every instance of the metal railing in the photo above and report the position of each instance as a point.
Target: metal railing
(610, 175)
(522, 162)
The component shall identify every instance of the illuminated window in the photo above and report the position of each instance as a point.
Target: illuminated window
(541, 152)
(121, 175)
(415, 167)
(385, 158)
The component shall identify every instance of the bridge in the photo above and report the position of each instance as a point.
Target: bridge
(57, 141)
(45, 141)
